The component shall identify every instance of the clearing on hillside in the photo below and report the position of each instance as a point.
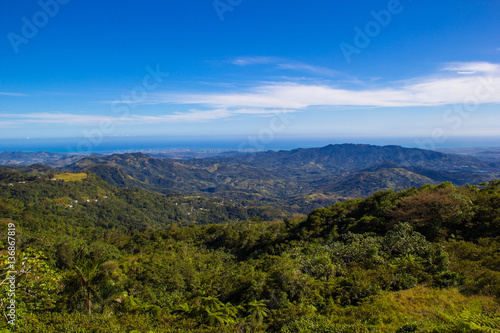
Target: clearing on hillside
(71, 177)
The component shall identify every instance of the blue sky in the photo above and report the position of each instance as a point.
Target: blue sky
(425, 72)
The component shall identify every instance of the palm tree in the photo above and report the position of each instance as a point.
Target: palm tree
(211, 303)
(217, 317)
(88, 277)
(257, 310)
(230, 309)
(218, 312)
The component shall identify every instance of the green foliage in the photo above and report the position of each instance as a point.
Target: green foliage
(321, 324)
(402, 240)
(135, 262)
(408, 328)
(471, 319)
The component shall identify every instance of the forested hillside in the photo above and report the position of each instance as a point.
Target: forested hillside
(17, 158)
(419, 260)
(41, 191)
(298, 180)
(347, 157)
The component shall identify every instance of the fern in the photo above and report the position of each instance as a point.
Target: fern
(471, 319)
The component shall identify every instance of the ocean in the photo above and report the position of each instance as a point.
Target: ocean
(136, 143)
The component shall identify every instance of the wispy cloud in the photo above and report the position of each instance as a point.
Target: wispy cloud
(443, 88)
(283, 63)
(245, 61)
(5, 124)
(192, 115)
(473, 67)
(53, 118)
(264, 112)
(448, 86)
(316, 70)
(4, 93)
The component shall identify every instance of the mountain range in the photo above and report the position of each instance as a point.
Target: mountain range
(297, 180)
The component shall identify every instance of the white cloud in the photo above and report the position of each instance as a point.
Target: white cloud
(473, 67)
(202, 115)
(266, 112)
(4, 93)
(9, 124)
(245, 61)
(481, 85)
(93, 120)
(190, 116)
(317, 70)
(282, 63)
(54, 118)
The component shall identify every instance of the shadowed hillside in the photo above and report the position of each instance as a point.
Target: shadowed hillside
(284, 178)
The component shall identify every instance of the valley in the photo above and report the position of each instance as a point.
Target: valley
(298, 180)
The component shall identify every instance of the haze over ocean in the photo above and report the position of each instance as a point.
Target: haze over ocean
(117, 144)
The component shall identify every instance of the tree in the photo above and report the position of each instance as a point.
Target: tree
(436, 213)
(84, 281)
(257, 310)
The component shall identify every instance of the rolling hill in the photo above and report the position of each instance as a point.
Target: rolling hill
(284, 178)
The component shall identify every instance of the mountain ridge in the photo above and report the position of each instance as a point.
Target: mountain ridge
(286, 177)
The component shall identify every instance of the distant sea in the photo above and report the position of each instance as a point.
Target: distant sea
(127, 144)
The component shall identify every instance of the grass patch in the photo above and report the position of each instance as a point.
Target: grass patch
(71, 177)
(424, 306)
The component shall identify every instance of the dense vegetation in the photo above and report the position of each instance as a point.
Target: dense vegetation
(63, 201)
(296, 181)
(417, 260)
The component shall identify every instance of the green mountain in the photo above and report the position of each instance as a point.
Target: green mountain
(72, 200)
(390, 175)
(239, 182)
(316, 176)
(383, 177)
(335, 159)
(142, 171)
